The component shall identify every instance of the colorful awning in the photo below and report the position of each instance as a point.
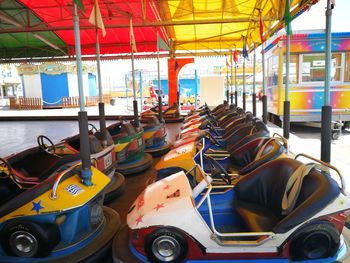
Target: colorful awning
(44, 28)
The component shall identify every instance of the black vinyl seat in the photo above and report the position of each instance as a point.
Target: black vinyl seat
(245, 156)
(258, 196)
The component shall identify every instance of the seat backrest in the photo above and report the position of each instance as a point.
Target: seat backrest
(265, 186)
(127, 128)
(271, 149)
(317, 191)
(245, 153)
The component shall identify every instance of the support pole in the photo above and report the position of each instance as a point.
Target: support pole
(141, 89)
(254, 81)
(101, 105)
(236, 88)
(244, 99)
(231, 91)
(86, 173)
(286, 104)
(326, 120)
(195, 88)
(264, 98)
(227, 82)
(136, 111)
(160, 104)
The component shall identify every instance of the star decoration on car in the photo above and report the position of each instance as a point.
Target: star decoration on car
(139, 220)
(158, 206)
(166, 187)
(37, 206)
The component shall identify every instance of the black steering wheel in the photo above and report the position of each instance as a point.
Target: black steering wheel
(5, 169)
(211, 128)
(92, 128)
(213, 139)
(49, 148)
(217, 170)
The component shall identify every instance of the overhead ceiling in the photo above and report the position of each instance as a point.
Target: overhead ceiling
(44, 28)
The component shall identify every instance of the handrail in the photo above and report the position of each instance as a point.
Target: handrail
(342, 181)
(53, 195)
(283, 139)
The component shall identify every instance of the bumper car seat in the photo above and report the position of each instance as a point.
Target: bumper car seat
(259, 195)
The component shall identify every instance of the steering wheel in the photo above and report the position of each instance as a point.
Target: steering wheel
(5, 169)
(211, 128)
(49, 148)
(92, 128)
(217, 170)
(213, 139)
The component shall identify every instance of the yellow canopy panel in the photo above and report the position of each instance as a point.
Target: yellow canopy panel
(223, 24)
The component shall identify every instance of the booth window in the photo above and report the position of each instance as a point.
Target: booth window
(272, 71)
(313, 67)
(293, 69)
(347, 67)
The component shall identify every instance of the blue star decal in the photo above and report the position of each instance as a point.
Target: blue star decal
(37, 206)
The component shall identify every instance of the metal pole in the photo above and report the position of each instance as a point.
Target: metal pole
(231, 91)
(141, 89)
(101, 105)
(227, 82)
(195, 88)
(326, 122)
(286, 104)
(236, 88)
(136, 111)
(86, 173)
(254, 81)
(160, 110)
(244, 102)
(264, 97)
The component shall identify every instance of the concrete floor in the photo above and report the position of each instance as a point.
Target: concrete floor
(17, 136)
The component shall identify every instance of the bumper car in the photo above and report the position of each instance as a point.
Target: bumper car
(154, 136)
(284, 211)
(129, 148)
(103, 158)
(170, 114)
(58, 219)
(223, 166)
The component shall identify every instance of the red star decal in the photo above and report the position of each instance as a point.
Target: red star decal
(139, 220)
(159, 206)
(166, 187)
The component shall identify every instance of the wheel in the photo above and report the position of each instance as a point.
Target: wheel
(29, 239)
(316, 241)
(92, 128)
(49, 148)
(166, 245)
(335, 135)
(217, 170)
(5, 169)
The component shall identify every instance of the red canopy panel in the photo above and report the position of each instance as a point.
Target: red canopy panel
(116, 17)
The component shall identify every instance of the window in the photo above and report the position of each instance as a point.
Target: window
(272, 71)
(293, 69)
(347, 68)
(313, 67)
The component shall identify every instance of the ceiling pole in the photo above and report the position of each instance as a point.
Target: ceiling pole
(227, 83)
(86, 173)
(254, 81)
(264, 97)
(326, 122)
(231, 91)
(236, 88)
(160, 104)
(101, 105)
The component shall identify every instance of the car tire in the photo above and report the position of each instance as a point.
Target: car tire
(166, 245)
(315, 241)
(29, 239)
